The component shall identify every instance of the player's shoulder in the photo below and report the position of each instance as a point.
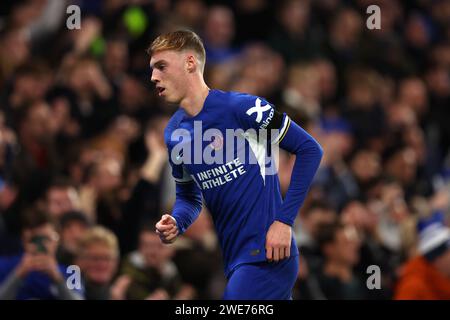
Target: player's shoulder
(238, 99)
(173, 124)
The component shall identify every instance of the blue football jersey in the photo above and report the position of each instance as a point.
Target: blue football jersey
(223, 154)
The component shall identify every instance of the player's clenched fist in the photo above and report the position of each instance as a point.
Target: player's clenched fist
(167, 229)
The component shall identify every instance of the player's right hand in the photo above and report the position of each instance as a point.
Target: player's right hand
(167, 229)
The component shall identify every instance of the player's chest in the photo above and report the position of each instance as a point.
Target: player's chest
(209, 142)
(213, 153)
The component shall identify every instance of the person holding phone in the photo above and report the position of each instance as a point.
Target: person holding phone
(36, 274)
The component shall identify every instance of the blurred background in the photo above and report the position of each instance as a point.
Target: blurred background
(83, 161)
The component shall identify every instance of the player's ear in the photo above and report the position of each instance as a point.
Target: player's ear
(191, 63)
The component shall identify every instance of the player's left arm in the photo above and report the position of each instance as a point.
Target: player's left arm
(308, 152)
(257, 113)
(294, 139)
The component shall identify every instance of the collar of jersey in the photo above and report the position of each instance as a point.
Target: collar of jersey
(187, 117)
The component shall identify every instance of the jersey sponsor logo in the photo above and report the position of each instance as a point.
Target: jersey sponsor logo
(267, 121)
(259, 109)
(220, 175)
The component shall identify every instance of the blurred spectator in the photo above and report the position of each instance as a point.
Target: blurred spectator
(418, 33)
(37, 160)
(291, 36)
(61, 197)
(402, 165)
(35, 274)
(191, 13)
(427, 276)
(198, 258)
(362, 108)
(72, 227)
(134, 99)
(31, 83)
(116, 60)
(340, 246)
(218, 35)
(8, 151)
(98, 259)
(146, 201)
(308, 226)
(372, 252)
(366, 169)
(152, 275)
(14, 51)
(438, 83)
(93, 95)
(99, 194)
(302, 91)
(335, 176)
(413, 93)
(345, 32)
(390, 207)
(328, 84)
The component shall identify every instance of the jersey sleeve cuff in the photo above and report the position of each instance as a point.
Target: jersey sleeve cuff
(287, 221)
(183, 180)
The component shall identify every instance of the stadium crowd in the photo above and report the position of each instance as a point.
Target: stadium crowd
(84, 171)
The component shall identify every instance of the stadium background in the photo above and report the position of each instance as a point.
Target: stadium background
(81, 134)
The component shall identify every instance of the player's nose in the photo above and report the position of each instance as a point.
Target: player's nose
(154, 77)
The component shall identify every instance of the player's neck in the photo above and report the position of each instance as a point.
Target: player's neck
(195, 99)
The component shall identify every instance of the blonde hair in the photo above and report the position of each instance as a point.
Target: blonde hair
(178, 41)
(99, 235)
